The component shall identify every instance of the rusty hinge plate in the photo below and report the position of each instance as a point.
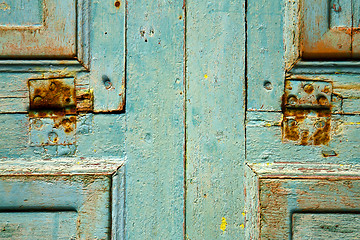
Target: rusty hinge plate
(307, 112)
(52, 94)
(307, 94)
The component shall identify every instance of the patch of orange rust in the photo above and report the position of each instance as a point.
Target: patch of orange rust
(336, 43)
(53, 95)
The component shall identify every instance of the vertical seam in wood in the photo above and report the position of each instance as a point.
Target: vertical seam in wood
(185, 118)
(246, 77)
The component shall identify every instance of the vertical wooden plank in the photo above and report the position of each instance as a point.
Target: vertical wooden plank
(118, 205)
(155, 129)
(107, 36)
(215, 41)
(265, 54)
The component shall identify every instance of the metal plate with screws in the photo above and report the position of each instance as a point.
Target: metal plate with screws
(309, 94)
(52, 94)
(52, 131)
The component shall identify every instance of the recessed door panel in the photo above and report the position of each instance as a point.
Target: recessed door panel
(38, 29)
(38, 225)
(335, 226)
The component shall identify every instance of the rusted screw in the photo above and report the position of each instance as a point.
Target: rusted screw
(320, 124)
(53, 137)
(37, 123)
(268, 86)
(326, 89)
(117, 4)
(52, 86)
(37, 99)
(309, 88)
(292, 123)
(292, 100)
(322, 100)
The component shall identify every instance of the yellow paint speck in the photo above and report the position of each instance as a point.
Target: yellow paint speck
(94, 150)
(223, 224)
(206, 76)
(242, 226)
(341, 165)
(243, 213)
(268, 125)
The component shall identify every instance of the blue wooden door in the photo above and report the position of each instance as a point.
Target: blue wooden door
(241, 119)
(62, 97)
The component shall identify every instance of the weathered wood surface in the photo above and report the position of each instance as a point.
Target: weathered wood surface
(96, 135)
(336, 226)
(265, 54)
(280, 197)
(183, 123)
(38, 225)
(265, 145)
(215, 53)
(35, 29)
(97, 64)
(87, 195)
(155, 120)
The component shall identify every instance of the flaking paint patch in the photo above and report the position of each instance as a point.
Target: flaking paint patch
(223, 224)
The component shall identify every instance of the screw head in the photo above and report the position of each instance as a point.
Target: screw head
(292, 100)
(53, 137)
(309, 88)
(322, 100)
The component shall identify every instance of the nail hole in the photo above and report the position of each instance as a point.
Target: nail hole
(322, 100)
(117, 4)
(107, 82)
(268, 86)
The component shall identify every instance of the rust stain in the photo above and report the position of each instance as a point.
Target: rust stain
(68, 123)
(294, 126)
(51, 94)
(117, 4)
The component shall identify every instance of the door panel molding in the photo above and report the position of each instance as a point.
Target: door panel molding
(275, 191)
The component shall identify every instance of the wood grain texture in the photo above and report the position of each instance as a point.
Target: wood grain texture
(107, 39)
(38, 225)
(88, 195)
(280, 197)
(53, 35)
(215, 42)
(325, 226)
(265, 54)
(154, 120)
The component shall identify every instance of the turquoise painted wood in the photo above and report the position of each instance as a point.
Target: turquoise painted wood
(215, 107)
(170, 120)
(155, 139)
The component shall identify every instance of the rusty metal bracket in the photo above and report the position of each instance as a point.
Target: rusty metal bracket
(46, 94)
(54, 104)
(307, 112)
